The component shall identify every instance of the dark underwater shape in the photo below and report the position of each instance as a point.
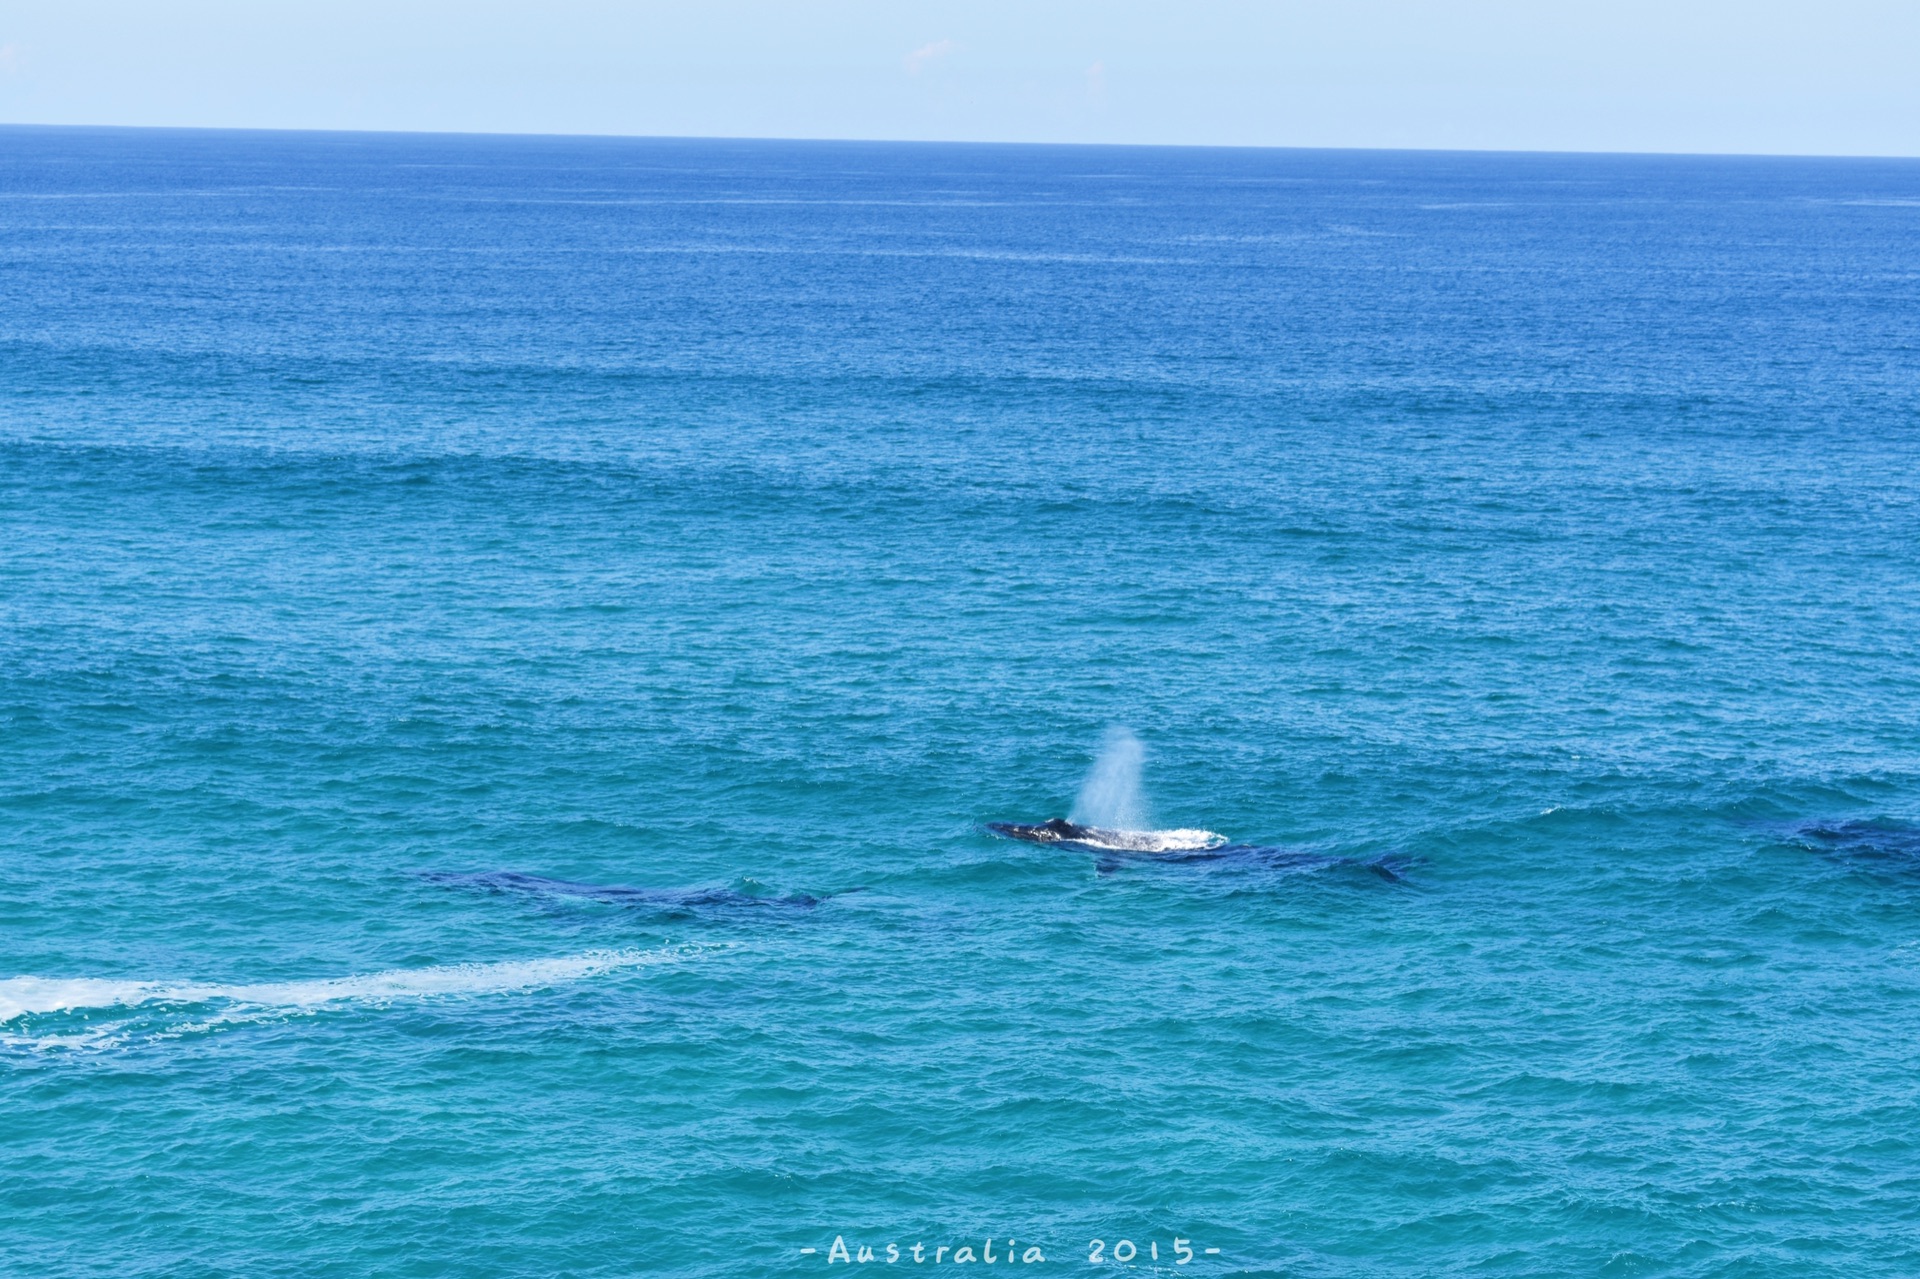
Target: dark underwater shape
(666, 899)
(1891, 844)
(1092, 839)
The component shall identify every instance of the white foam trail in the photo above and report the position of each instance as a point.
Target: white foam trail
(1185, 840)
(1110, 797)
(23, 996)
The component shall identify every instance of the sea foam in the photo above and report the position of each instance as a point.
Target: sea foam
(220, 1003)
(1182, 840)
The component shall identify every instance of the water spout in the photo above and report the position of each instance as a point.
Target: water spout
(1110, 797)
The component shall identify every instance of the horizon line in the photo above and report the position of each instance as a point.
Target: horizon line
(939, 142)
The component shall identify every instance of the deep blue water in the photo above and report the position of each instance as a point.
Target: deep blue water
(405, 541)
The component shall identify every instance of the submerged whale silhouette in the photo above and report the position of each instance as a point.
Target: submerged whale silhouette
(1113, 847)
(665, 899)
(1869, 843)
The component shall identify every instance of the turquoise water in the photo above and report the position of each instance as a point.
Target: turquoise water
(407, 542)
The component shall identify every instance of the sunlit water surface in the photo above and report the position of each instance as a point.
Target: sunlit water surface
(473, 611)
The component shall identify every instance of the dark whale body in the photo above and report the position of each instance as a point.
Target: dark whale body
(1068, 834)
(673, 900)
(1869, 844)
(1268, 857)
(1056, 831)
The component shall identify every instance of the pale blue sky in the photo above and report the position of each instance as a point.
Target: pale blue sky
(1789, 76)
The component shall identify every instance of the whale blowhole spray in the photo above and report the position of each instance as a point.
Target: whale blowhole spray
(1111, 795)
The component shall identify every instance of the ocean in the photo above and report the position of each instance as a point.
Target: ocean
(510, 646)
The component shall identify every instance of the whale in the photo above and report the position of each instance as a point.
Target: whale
(1057, 830)
(1060, 830)
(669, 900)
(1870, 844)
(1113, 848)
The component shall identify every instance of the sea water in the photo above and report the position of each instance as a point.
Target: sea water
(389, 521)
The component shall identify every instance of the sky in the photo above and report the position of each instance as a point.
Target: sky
(1759, 76)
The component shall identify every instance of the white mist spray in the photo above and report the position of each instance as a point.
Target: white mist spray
(1110, 797)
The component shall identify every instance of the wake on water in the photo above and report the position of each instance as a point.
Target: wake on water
(165, 1009)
